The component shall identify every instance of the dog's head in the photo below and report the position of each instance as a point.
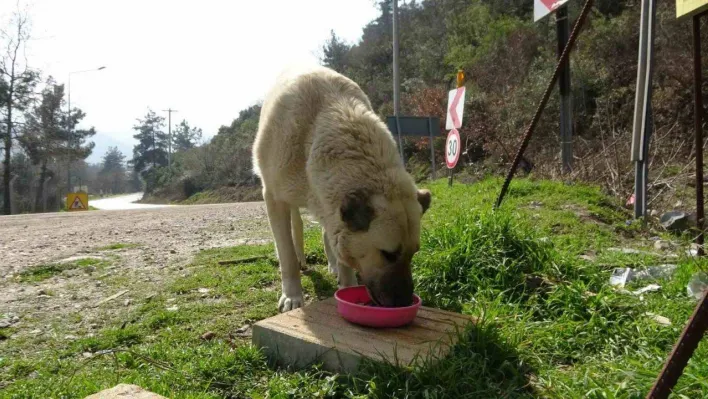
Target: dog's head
(378, 237)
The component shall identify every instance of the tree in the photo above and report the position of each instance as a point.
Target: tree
(17, 84)
(335, 53)
(151, 150)
(44, 135)
(112, 176)
(186, 137)
(79, 148)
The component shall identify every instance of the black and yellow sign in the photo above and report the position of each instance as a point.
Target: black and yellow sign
(77, 202)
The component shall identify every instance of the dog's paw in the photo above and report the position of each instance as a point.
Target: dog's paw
(333, 268)
(287, 303)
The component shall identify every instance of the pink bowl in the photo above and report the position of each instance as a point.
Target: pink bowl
(348, 306)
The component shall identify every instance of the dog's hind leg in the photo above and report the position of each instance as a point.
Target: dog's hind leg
(279, 218)
(297, 230)
(331, 257)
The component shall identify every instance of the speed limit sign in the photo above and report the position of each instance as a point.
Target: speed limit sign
(452, 148)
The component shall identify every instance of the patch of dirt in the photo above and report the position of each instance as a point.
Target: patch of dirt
(156, 246)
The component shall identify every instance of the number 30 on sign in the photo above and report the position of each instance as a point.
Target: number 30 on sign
(452, 148)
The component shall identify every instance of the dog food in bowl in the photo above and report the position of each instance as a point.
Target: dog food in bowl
(355, 305)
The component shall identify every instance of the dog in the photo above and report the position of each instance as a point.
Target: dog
(320, 146)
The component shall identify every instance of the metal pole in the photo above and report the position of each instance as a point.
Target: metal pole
(683, 350)
(396, 81)
(169, 138)
(70, 126)
(698, 126)
(642, 107)
(432, 148)
(68, 138)
(566, 111)
(169, 134)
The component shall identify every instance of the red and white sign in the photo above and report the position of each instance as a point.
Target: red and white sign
(452, 148)
(455, 106)
(541, 8)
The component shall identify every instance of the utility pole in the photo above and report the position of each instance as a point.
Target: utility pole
(169, 135)
(70, 126)
(396, 78)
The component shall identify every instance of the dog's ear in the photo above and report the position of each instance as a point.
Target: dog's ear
(356, 211)
(424, 197)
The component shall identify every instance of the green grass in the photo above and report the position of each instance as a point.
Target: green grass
(550, 326)
(42, 272)
(116, 246)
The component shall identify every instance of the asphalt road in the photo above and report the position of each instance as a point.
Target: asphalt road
(123, 202)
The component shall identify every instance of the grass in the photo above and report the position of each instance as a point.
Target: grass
(42, 272)
(118, 245)
(550, 326)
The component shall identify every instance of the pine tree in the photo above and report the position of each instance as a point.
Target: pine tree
(151, 150)
(185, 137)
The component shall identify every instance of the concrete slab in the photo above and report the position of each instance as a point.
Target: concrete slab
(125, 391)
(318, 334)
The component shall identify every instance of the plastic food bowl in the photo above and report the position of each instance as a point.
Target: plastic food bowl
(350, 306)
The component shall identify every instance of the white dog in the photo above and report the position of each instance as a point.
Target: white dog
(320, 146)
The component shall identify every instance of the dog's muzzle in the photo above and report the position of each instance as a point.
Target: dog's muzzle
(394, 289)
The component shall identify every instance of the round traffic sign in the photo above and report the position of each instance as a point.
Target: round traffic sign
(452, 148)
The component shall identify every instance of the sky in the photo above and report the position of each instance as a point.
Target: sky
(207, 59)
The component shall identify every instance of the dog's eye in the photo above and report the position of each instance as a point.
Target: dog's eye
(390, 256)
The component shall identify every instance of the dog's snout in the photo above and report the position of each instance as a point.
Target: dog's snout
(395, 289)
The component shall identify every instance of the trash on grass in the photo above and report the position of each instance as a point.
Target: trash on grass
(664, 321)
(623, 275)
(697, 284)
(648, 288)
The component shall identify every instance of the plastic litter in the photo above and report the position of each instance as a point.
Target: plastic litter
(697, 284)
(648, 288)
(623, 275)
(664, 321)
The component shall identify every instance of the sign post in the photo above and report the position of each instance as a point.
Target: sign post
(452, 151)
(419, 126)
(77, 201)
(642, 107)
(566, 104)
(455, 109)
(542, 8)
(685, 8)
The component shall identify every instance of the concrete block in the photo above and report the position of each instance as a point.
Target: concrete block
(318, 334)
(125, 391)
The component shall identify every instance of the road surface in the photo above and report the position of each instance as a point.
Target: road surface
(140, 252)
(122, 202)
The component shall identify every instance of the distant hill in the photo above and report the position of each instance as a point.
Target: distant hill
(103, 141)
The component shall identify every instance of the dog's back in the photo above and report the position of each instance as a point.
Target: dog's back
(288, 121)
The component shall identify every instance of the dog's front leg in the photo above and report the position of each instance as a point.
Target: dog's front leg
(346, 276)
(279, 217)
(331, 256)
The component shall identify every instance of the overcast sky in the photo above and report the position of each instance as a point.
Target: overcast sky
(208, 59)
